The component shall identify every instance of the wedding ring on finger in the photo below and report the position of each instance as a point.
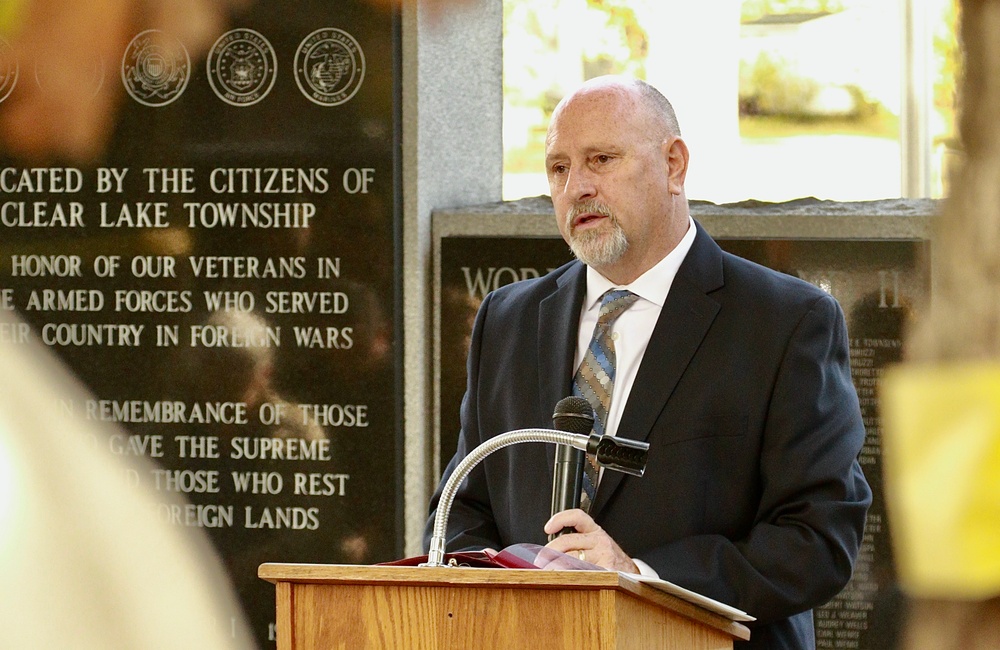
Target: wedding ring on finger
(582, 554)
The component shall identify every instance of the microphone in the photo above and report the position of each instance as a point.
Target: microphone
(574, 415)
(619, 454)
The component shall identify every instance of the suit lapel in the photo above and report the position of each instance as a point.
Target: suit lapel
(558, 321)
(683, 323)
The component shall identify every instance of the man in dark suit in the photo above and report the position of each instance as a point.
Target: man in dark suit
(737, 376)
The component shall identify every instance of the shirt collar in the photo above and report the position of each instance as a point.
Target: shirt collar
(654, 284)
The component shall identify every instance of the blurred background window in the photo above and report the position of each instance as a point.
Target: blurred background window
(845, 100)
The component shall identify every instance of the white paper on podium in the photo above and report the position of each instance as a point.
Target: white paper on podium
(722, 609)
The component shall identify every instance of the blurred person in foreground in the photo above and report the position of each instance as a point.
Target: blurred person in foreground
(941, 407)
(87, 559)
(737, 376)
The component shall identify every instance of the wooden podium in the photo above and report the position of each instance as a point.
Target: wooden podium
(349, 606)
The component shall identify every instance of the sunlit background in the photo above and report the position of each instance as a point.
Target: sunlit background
(846, 100)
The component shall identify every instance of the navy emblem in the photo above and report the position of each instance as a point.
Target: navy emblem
(242, 67)
(155, 68)
(329, 66)
(8, 69)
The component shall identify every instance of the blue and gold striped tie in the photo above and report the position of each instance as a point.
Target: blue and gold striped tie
(595, 379)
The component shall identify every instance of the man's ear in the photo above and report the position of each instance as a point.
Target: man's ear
(675, 152)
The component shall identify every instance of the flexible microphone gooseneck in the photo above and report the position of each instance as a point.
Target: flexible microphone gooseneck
(575, 415)
(627, 456)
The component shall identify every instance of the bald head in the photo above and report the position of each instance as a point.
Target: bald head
(641, 95)
(660, 106)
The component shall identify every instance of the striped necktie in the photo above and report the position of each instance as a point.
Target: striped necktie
(595, 379)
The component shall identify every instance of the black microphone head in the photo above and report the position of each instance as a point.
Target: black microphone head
(574, 415)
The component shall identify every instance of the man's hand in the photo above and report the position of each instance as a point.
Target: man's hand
(596, 545)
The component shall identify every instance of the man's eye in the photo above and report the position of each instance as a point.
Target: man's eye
(603, 158)
(559, 169)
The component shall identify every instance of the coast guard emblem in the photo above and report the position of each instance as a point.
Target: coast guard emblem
(242, 67)
(329, 66)
(155, 68)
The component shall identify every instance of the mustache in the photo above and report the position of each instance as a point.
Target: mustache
(588, 207)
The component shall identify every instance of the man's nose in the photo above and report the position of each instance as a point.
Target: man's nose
(580, 184)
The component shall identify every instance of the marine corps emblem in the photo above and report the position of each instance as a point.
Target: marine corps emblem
(329, 66)
(8, 69)
(155, 68)
(242, 67)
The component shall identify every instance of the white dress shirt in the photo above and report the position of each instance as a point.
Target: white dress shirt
(631, 331)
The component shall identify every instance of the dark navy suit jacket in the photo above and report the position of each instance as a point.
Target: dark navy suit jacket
(752, 495)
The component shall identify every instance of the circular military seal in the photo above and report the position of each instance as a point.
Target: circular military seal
(242, 67)
(46, 76)
(329, 66)
(155, 68)
(8, 69)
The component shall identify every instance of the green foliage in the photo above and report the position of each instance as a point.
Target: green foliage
(948, 64)
(769, 87)
(608, 37)
(622, 19)
(754, 9)
(880, 124)
(534, 42)
(777, 102)
(864, 106)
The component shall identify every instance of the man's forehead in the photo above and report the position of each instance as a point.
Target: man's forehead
(596, 103)
(583, 144)
(590, 127)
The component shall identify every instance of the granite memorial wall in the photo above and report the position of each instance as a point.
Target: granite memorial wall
(869, 257)
(225, 280)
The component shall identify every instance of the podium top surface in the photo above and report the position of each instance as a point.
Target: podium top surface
(344, 574)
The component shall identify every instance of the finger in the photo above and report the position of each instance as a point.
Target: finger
(571, 542)
(574, 518)
(558, 561)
